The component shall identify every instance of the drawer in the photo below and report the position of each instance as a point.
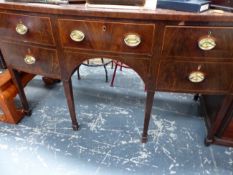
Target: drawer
(107, 36)
(26, 28)
(195, 77)
(184, 41)
(31, 59)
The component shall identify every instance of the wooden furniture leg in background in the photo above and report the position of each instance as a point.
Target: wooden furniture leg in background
(105, 69)
(70, 101)
(79, 77)
(15, 75)
(148, 108)
(196, 97)
(50, 81)
(114, 74)
(121, 65)
(224, 135)
(8, 91)
(217, 110)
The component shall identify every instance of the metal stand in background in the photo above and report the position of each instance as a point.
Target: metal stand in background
(104, 64)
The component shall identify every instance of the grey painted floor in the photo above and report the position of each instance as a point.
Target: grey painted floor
(108, 142)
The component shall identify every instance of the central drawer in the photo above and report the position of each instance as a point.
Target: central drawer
(107, 36)
(182, 76)
(25, 28)
(30, 59)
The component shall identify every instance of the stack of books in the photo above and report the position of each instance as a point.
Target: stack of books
(184, 5)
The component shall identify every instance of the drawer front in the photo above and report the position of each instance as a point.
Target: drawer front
(30, 59)
(108, 36)
(195, 77)
(184, 41)
(26, 28)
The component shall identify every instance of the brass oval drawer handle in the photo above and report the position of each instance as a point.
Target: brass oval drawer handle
(21, 29)
(206, 43)
(29, 59)
(196, 77)
(77, 35)
(132, 40)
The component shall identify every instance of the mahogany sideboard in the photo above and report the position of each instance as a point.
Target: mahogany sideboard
(171, 51)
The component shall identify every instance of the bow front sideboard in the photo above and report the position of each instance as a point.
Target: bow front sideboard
(171, 51)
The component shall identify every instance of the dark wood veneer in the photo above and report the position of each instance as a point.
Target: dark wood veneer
(218, 113)
(173, 76)
(39, 28)
(107, 36)
(188, 36)
(228, 133)
(46, 59)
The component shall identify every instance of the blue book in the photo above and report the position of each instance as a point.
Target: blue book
(184, 5)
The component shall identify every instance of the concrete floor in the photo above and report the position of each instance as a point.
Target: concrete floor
(108, 142)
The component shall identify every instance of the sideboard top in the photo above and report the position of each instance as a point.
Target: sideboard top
(82, 10)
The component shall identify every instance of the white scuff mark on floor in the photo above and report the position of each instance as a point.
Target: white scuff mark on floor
(123, 142)
(130, 141)
(171, 166)
(162, 127)
(19, 139)
(173, 136)
(206, 160)
(168, 154)
(105, 144)
(230, 161)
(124, 112)
(105, 157)
(129, 169)
(156, 148)
(135, 160)
(97, 123)
(87, 114)
(118, 109)
(189, 135)
(141, 156)
(100, 106)
(228, 152)
(68, 154)
(172, 172)
(84, 106)
(43, 109)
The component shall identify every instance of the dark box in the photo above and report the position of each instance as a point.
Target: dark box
(223, 4)
(184, 5)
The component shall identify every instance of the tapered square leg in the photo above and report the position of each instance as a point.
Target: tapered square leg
(70, 101)
(148, 108)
